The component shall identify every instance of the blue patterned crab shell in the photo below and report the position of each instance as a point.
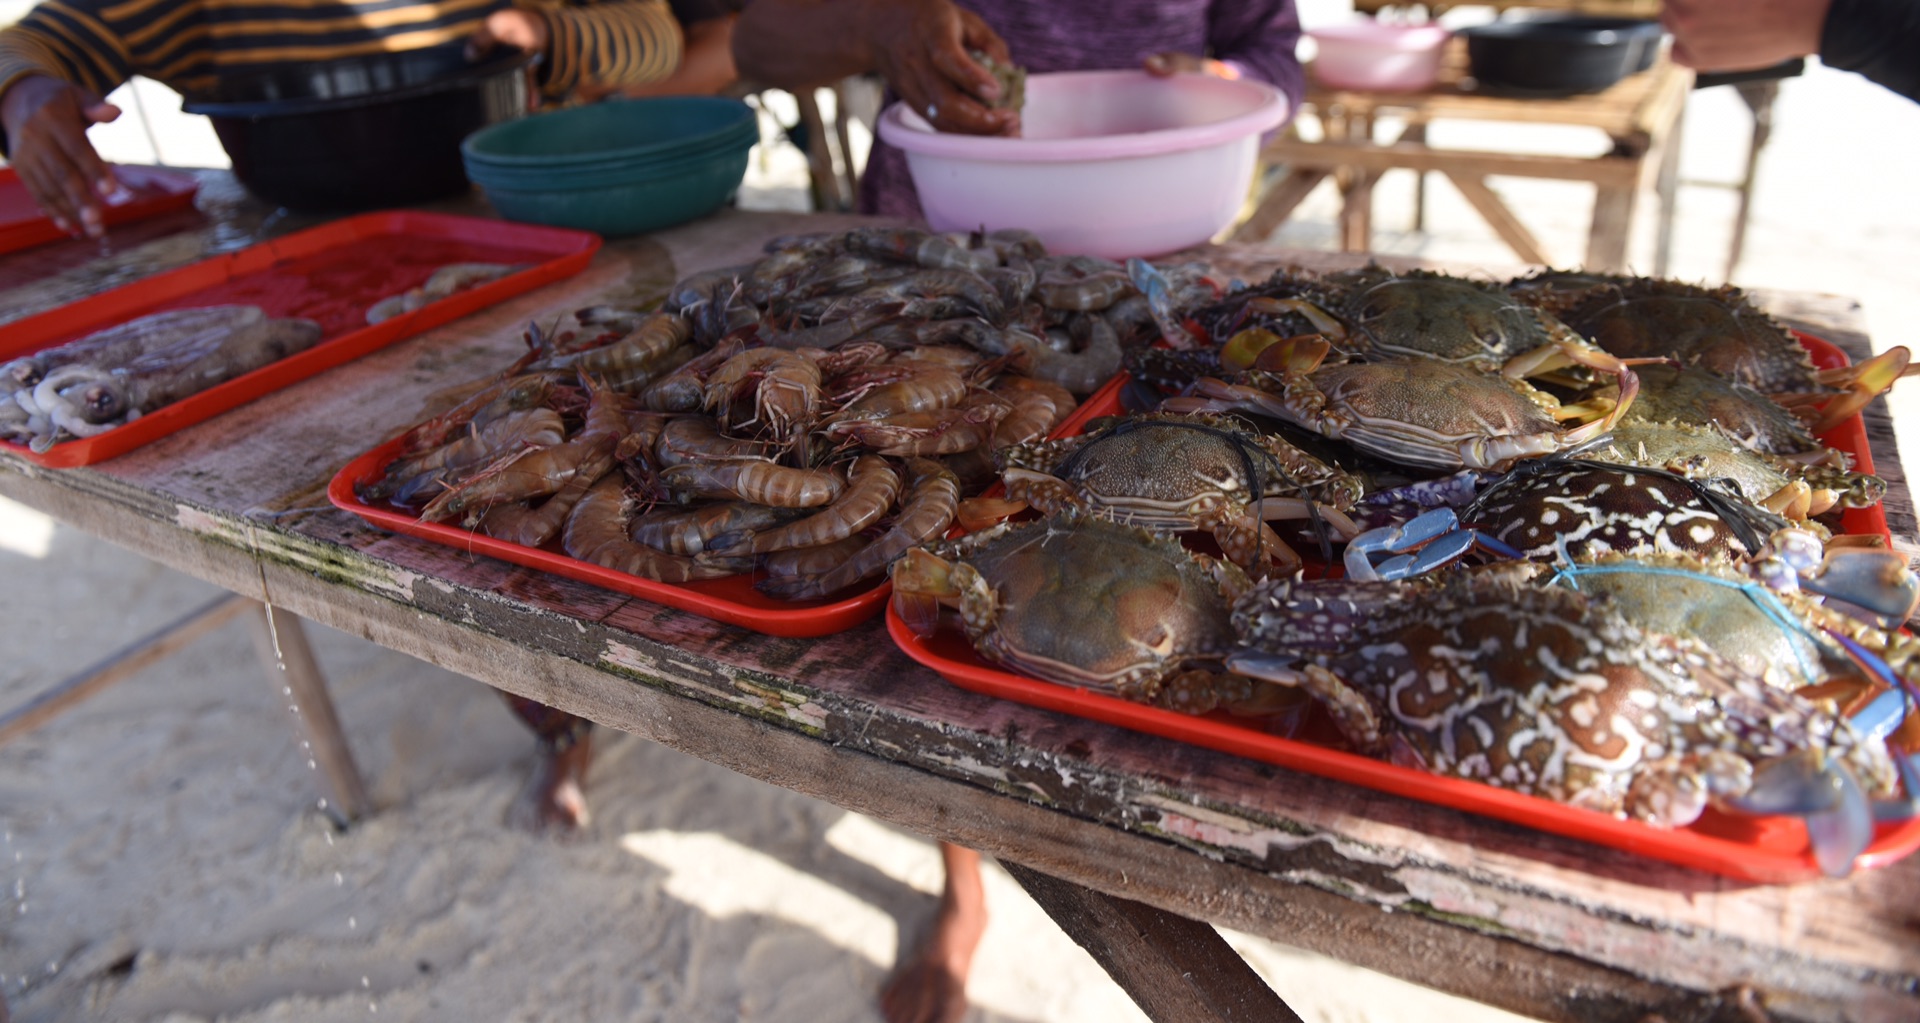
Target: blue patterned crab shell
(1482, 675)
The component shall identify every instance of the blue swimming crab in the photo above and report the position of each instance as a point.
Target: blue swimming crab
(1715, 329)
(1543, 691)
(1173, 473)
(1085, 601)
(1442, 415)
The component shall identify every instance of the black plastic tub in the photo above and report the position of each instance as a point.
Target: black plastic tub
(1559, 55)
(361, 133)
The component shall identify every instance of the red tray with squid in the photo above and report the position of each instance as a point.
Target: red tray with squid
(1768, 849)
(329, 275)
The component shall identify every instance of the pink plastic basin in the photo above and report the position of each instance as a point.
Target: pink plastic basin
(1110, 163)
(1375, 57)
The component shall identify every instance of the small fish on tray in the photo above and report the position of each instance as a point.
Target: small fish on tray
(111, 377)
(445, 281)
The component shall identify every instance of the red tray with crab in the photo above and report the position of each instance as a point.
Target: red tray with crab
(150, 191)
(330, 274)
(732, 600)
(1762, 849)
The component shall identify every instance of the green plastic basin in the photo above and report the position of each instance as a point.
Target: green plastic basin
(617, 131)
(645, 203)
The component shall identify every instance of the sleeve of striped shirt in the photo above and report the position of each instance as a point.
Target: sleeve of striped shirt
(66, 39)
(612, 43)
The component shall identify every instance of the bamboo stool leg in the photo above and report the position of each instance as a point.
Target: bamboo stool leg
(1177, 970)
(121, 664)
(1759, 97)
(282, 642)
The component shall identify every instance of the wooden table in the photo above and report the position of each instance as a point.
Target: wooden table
(1639, 116)
(1114, 831)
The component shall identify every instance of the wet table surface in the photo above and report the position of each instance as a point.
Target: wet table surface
(1542, 925)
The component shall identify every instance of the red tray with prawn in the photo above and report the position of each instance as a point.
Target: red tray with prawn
(1767, 849)
(331, 276)
(731, 599)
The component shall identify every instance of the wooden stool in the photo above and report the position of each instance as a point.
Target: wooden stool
(1641, 115)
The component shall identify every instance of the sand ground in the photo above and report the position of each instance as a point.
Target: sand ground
(167, 861)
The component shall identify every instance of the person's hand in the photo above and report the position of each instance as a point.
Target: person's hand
(1739, 35)
(517, 27)
(47, 121)
(524, 30)
(1174, 62)
(920, 48)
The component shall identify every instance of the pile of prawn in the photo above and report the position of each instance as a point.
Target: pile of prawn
(809, 417)
(111, 377)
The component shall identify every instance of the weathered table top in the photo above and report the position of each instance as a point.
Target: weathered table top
(1542, 925)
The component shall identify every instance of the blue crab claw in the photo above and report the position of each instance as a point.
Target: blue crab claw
(1881, 716)
(1434, 536)
(1840, 835)
(1413, 533)
(1876, 580)
(1837, 813)
(1159, 291)
(1907, 806)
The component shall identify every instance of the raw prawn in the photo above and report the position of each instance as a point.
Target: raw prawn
(757, 481)
(596, 532)
(693, 530)
(872, 486)
(541, 471)
(933, 497)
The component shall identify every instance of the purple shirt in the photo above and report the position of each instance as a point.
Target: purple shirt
(1257, 35)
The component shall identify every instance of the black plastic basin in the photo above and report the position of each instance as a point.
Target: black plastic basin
(1559, 55)
(356, 134)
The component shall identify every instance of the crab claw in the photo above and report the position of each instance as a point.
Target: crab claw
(1877, 580)
(1302, 353)
(1860, 383)
(920, 579)
(1836, 810)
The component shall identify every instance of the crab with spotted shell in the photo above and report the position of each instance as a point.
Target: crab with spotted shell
(1539, 690)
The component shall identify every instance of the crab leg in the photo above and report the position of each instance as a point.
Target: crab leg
(1860, 384)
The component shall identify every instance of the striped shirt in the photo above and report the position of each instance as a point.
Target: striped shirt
(188, 44)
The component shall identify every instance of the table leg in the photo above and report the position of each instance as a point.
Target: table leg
(281, 639)
(1666, 181)
(1177, 970)
(1277, 205)
(1759, 97)
(1356, 207)
(1612, 219)
(826, 181)
(1487, 203)
(121, 664)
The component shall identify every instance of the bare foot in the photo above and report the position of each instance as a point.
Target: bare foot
(554, 798)
(930, 984)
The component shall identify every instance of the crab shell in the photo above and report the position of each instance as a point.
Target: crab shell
(1420, 411)
(1717, 330)
(1767, 480)
(1538, 690)
(1438, 316)
(1169, 472)
(1749, 418)
(1081, 601)
(1580, 508)
(1719, 606)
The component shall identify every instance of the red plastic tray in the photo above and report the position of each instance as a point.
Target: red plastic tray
(331, 274)
(732, 600)
(154, 191)
(1763, 849)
